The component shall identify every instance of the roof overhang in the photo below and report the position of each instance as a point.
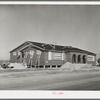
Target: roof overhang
(29, 44)
(64, 48)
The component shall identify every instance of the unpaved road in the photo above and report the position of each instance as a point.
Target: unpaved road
(58, 81)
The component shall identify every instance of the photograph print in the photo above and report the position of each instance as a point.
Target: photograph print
(49, 47)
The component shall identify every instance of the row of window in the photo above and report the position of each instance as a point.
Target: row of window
(31, 52)
(15, 53)
(59, 56)
(51, 55)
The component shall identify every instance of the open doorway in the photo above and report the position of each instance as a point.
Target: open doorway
(73, 58)
(79, 59)
(84, 59)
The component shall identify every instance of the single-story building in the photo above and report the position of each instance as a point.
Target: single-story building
(40, 54)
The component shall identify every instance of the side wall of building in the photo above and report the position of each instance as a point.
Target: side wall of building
(19, 59)
(68, 57)
(77, 54)
(44, 59)
(53, 62)
(13, 58)
(92, 61)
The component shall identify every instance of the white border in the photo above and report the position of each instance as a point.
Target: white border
(51, 2)
(16, 94)
(49, 94)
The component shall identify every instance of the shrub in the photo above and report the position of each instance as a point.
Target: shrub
(4, 65)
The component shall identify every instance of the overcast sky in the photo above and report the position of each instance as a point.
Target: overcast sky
(77, 26)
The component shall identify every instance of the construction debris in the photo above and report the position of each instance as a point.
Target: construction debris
(72, 67)
(17, 66)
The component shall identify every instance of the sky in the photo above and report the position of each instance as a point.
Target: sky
(69, 25)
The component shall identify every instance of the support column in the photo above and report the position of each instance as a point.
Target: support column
(80, 58)
(44, 66)
(20, 57)
(56, 66)
(50, 67)
(76, 58)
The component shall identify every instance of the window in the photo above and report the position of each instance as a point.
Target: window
(55, 56)
(19, 53)
(90, 58)
(14, 53)
(49, 55)
(63, 56)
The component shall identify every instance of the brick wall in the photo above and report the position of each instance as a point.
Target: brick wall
(13, 58)
(44, 57)
(68, 57)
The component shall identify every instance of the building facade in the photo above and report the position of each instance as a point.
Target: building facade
(40, 54)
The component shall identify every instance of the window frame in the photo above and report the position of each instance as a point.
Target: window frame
(90, 58)
(56, 55)
(14, 53)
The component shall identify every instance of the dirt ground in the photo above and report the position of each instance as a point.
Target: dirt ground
(36, 79)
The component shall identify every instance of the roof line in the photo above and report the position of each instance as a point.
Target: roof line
(18, 47)
(70, 48)
(29, 45)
